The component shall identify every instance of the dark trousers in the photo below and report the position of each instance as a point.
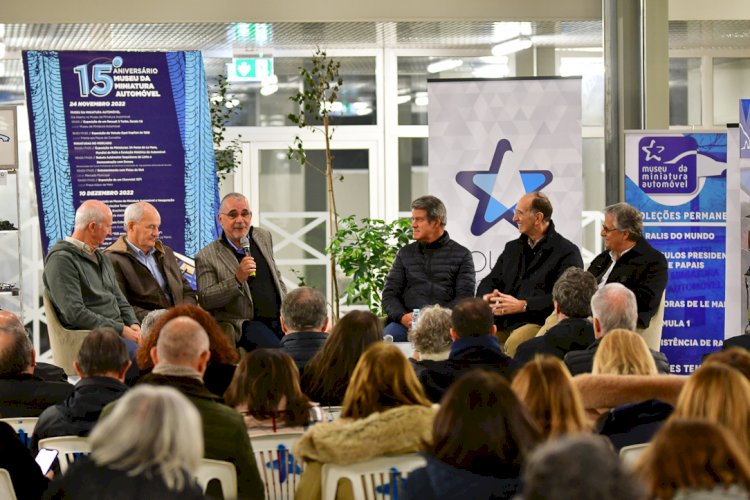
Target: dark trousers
(260, 333)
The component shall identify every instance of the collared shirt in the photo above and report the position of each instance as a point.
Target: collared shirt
(80, 244)
(612, 255)
(149, 260)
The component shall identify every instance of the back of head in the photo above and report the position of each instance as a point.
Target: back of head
(432, 333)
(149, 321)
(615, 306)
(16, 350)
(482, 426)
(472, 317)
(693, 454)
(573, 291)
(622, 352)
(382, 379)
(626, 218)
(541, 204)
(154, 429)
(304, 309)
(181, 342)
(734, 357)
(433, 207)
(90, 211)
(545, 386)
(102, 352)
(579, 467)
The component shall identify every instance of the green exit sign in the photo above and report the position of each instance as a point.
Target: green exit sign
(250, 69)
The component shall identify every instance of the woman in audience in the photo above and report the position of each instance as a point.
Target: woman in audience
(721, 395)
(15, 457)
(622, 352)
(431, 337)
(224, 356)
(327, 374)
(695, 459)
(385, 412)
(480, 438)
(266, 391)
(545, 386)
(149, 446)
(734, 357)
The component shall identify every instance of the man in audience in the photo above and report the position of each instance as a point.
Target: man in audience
(474, 346)
(572, 297)
(238, 281)
(612, 306)
(304, 320)
(44, 371)
(81, 282)
(21, 393)
(180, 358)
(432, 270)
(101, 363)
(146, 268)
(519, 287)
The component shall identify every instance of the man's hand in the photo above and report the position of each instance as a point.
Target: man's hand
(406, 320)
(503, 304)
(245, 269)
(132, 332)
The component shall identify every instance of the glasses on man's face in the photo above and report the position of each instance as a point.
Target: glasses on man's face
(606, 230)
(233, 214)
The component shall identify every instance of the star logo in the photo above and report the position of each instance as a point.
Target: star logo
(481, 184)
(649, 150)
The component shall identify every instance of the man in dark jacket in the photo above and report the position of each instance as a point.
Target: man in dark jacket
(146, 269)
(474, 346)
(432, 270)
(101, 363)
(304, 320)
(519, 287)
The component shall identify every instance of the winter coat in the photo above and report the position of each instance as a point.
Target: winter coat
(302, 346)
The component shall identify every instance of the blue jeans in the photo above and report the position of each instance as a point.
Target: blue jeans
(398, 331)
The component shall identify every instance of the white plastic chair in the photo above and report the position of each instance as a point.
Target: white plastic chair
(630, 454)
(278, 468)
(376, 478)
(331, 413)
(6, 486)
(218, 469)
(70, 449)
(24, 427)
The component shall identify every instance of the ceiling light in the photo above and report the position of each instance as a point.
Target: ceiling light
(403, 99)
(444, 65)
(511, 46)
(267, 90)
(507, 30)
(491, 71)
(420, 99)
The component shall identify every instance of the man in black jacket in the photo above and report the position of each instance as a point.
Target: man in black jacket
(101, 363)
(519, 287)
(432, 270)
(304, 320)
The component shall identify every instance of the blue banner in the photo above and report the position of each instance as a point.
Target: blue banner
(744, 128)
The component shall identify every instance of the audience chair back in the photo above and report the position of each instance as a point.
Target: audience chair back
(220, 470)
(629, 454)
(279, 469)
(331, 413)
(64, 343)
(379, 478)
(6, 486)
(69, 448)
(24, 426)
(652, 334)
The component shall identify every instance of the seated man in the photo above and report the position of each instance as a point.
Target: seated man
(101, 363)
(612, 306)
(147, 269)
(519, 287)
(21, 393)
(304, 320)
(44, 371)
(432, 270)
(572, 297)
(474, 346)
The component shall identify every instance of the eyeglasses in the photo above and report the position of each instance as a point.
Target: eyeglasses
(233, 214)
(606, 230)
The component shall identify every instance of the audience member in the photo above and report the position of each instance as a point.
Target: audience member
(149, 446)
(612, 306)
(519, 287)
(741, 341)
(101, 363)
(578, 467)
(22, 394)
(622, 352)
(431, 337)
(694, 459)
(147, 270)
(385, 412)
(546, 388)
(180, 359)
(221, 364)
(432, 270)
(266, 391)
(44, 371)
(734, 357)
(327, 374)
(304, 320)
(148, 322)
(571, 296)
(481, 436)
(25, 474)
(474, 346)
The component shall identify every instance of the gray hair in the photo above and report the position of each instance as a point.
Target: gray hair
(234, 196)
(434, 208)
(17, 352)
(578, 467)
(89, 212)
(134, 212)
(573, 291)
(182, 341)
(304, 309)
(151, 428)
(615, 306)
(149, 321)
(432, 334)
(102, 351)
(626, 218)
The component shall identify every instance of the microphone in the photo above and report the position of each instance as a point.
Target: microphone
(245, 244)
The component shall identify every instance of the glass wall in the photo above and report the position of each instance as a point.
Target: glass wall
(685, 91)
(731, 83)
